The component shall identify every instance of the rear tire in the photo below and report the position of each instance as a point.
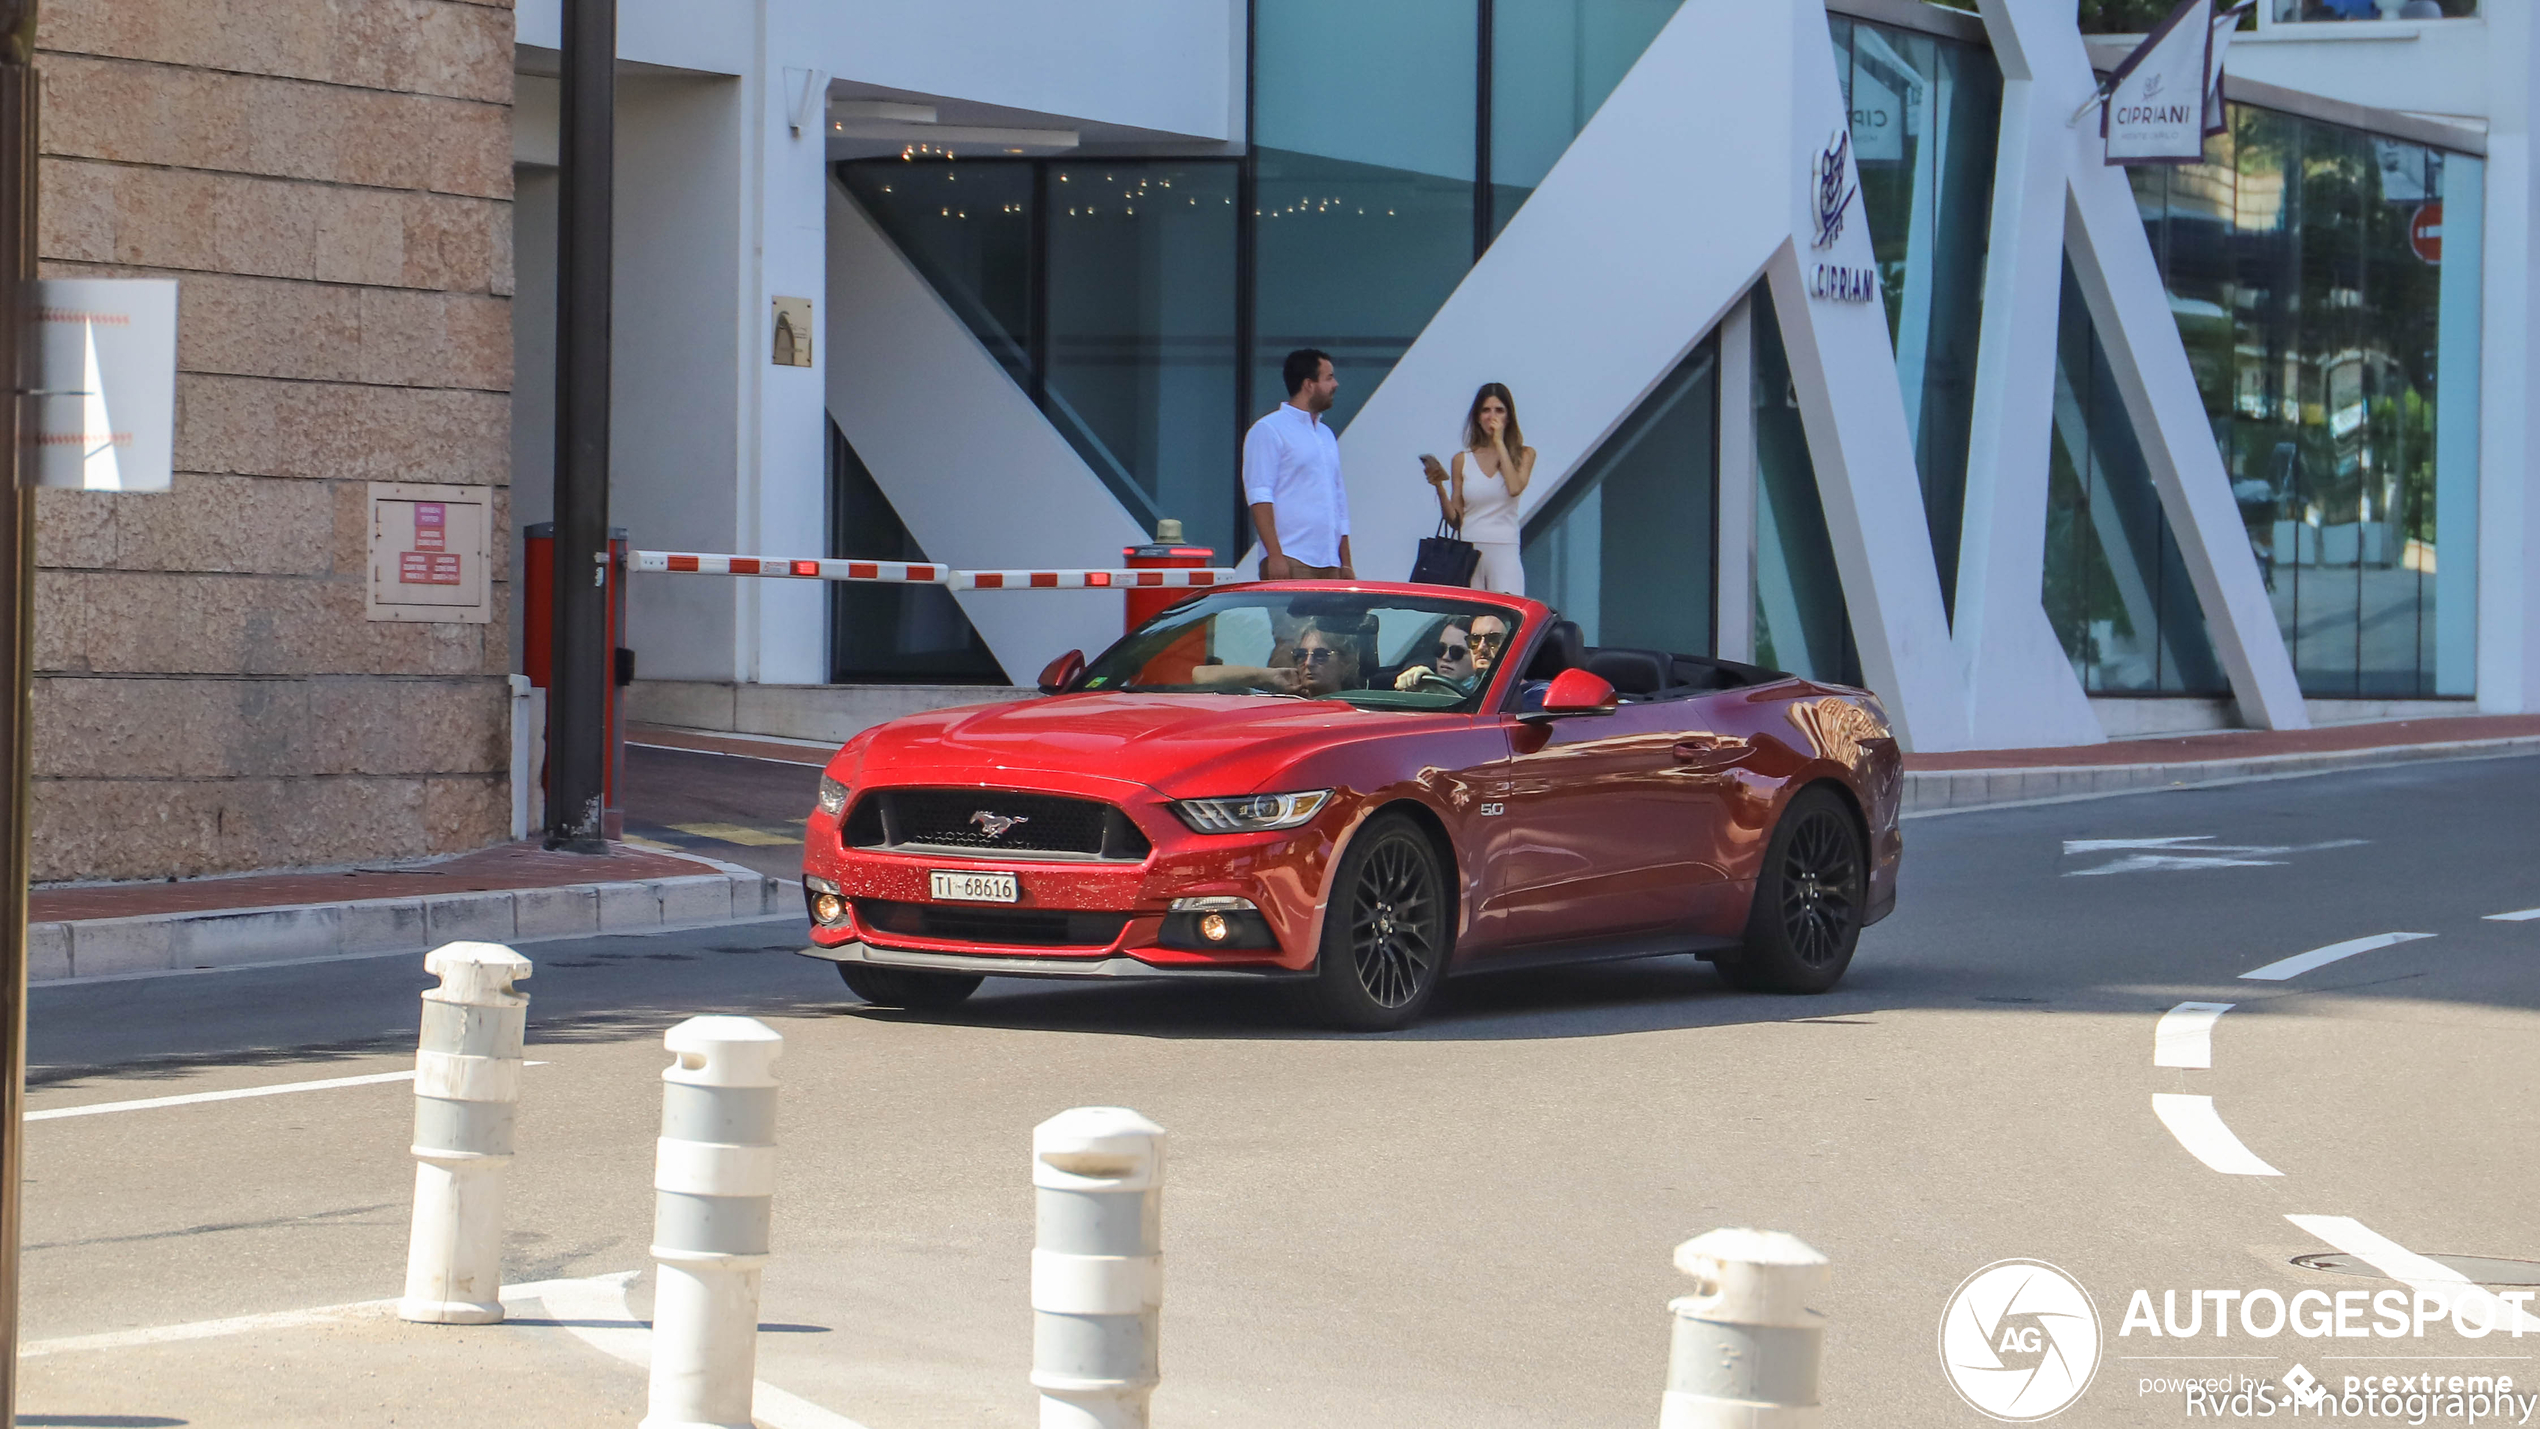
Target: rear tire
(1385, 936)
(1809, 900)
(907, 990)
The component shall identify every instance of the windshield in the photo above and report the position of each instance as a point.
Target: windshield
(1375, 651)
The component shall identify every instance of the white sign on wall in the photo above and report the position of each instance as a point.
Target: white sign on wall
(2155, 110)
(105, 413)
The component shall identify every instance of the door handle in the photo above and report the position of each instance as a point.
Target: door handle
(1709, 751)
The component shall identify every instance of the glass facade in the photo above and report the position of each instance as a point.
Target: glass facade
(893, 633)
(1801, 622)
(2116, 589)
(1106, 289)
(1626, 548)
(1925, 117)
(1552, 62)
(2329, 305)
(1363, 172)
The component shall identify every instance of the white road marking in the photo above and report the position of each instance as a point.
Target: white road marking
(2186, 851)
(2301, 963)
(596, 1310)
(249, 1324)
(2194, 1122)
(2522, 915)
(234, 1094)
(2184, 1035)
(2415, 1271)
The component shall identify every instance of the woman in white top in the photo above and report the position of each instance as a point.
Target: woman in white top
(1480, 495)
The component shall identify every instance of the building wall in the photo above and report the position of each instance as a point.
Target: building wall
(330, 183)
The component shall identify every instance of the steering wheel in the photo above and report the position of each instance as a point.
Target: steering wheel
(1432, 677)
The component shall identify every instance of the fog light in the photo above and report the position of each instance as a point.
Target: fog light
(829, 908)
(1213, 928)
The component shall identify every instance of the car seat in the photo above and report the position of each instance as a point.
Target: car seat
(1562, 648)
(1631, 672)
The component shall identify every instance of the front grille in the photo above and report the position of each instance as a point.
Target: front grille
(959, 820)
(1019, 927)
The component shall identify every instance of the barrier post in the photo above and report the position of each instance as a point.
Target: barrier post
(467, 1083)
(1746, 1346)
(714, 1180)
(1097, 1266)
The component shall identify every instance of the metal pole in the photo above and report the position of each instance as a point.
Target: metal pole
(577, 697)
(17, 634)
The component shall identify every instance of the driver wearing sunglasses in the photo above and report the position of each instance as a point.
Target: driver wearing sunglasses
(1451, 660)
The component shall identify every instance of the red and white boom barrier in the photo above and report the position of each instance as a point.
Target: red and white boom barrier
(909, 573)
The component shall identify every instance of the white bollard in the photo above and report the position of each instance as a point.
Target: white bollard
(1097, 1266)
(467, 1082)
(714, 1179)
(1746, 1345)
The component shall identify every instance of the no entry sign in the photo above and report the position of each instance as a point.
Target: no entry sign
(2425, 233)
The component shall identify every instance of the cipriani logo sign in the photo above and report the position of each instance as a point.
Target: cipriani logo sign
(1834, 190)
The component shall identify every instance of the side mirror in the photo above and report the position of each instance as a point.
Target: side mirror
(1573, 692)
(1062, 672)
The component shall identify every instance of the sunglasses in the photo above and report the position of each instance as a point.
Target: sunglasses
(1317, 654)
(1455, 652)
(1489, 638)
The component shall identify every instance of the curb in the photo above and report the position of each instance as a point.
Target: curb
(224, 937)
(1949, 791)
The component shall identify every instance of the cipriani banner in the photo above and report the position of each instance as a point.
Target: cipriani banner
(2155, 109)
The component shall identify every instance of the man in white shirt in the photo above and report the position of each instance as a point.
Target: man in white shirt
(1292, 478)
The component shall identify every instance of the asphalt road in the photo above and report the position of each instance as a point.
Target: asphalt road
(1466, 1224)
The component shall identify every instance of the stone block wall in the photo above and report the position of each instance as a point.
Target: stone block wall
(330, 182)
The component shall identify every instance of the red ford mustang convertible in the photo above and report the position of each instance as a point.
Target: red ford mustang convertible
(1356, 789)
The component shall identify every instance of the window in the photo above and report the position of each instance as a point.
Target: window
(2116, 589)
(1363, 177)
(1106, 289)
(1801, 622)
(2325, 282)
(885, 634)
(1626, 548)
(1925, 116)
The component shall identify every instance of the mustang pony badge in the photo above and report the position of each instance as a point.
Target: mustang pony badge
(996, 825)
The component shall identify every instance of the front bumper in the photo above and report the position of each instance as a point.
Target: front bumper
(1110, 965)
(1280, 873)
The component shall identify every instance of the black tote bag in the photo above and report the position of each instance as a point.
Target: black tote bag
(1445, 559)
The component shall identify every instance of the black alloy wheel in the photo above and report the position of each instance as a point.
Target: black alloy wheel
(905, 989)
(1809, 899)
(1385, 935)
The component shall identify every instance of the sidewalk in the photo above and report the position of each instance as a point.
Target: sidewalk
(1969, 779)
(512, 893)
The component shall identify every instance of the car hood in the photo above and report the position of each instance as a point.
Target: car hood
(1179, 745)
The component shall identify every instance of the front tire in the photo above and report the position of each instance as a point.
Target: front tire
(1809, 900)
(906, 990)
(1386, 935)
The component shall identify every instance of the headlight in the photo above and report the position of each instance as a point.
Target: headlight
(1251, 813)
(833, 796)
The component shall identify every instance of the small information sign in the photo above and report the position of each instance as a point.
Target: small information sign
(429, 551)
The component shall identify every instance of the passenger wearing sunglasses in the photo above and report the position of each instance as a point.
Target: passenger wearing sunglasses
(1451, 661)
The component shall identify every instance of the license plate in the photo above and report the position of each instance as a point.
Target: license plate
(970, 887)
